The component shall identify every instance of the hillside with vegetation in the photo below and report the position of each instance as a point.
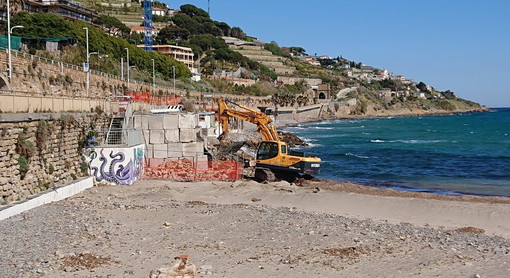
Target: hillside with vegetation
(192, 27)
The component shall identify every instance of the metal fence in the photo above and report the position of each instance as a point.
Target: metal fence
(121, 136)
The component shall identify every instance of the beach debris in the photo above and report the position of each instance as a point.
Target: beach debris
(84, 260)
(256, 200)
(470, 230)
(206, 270)
(181, 268)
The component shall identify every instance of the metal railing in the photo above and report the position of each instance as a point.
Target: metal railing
(121, 136)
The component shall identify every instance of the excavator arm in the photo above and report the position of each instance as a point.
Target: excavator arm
(273, 159)
(261, 120)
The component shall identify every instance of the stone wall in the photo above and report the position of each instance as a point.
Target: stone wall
(36, 155)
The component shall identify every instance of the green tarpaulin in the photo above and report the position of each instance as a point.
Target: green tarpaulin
(15, 42)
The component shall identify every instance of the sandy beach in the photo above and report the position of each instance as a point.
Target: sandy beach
(248, 229)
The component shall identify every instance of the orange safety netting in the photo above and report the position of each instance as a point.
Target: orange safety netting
(189, 170)
(165, 100)
(153, 100)
(139, 96)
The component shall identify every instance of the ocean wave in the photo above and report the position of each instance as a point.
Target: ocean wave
(295, 128)
(408, 141)
(329, 136)
(310, 145)
(357, 156)
(320, 127)
(420, 141)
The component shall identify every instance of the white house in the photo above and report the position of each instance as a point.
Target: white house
(158, 11)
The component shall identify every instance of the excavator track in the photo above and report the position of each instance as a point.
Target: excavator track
(264, 175)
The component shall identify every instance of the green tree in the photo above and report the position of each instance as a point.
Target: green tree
(274, 48)
(188, 23)
(111, 23)
(157, 4)
(192, 11)
(208, 42)
(172, 33)
(160, 18)
(237, 32)
(224, 27)
(296, 50)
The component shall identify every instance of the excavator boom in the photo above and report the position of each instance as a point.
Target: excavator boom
(263, 121)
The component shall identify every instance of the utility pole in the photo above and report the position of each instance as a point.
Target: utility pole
(173, 67)
(153, 76)
(127, 68)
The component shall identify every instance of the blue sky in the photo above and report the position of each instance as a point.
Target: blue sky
(458, 45)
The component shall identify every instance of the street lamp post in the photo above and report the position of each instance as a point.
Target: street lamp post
(173, 69)
(9, 31)
(9, 46)
(153, 76)
(88, 58)
(88, 64)
(127, 66)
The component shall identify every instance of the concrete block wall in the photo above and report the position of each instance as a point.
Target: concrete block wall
(171, 135)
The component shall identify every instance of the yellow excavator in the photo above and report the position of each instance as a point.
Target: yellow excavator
(273, 159)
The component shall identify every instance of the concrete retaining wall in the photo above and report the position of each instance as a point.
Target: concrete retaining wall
(301, 114)
(48, 196)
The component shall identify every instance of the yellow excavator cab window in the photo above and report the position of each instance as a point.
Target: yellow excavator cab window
(284, 149)
(267, 150)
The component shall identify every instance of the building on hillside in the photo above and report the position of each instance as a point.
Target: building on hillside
(141, 30)
(348, 72)
(179, 53)
(158, 11)
(65, 8)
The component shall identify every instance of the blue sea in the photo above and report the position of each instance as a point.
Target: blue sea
(455, 154)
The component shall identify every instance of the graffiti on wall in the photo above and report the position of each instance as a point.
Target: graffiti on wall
(117, 165)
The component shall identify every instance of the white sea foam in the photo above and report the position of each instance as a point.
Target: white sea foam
(419, 141)
(319, 127)
(330, 136)
(408, 141)
(358, 156)
(295, 127)
(312, 145)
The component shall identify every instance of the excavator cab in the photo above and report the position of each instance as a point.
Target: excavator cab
(268, 150)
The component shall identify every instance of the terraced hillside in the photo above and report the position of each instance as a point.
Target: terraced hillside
(129, 13)
(259, 54)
